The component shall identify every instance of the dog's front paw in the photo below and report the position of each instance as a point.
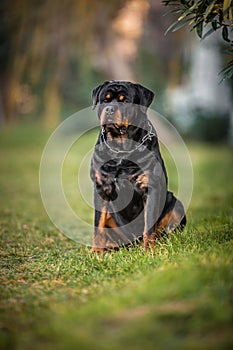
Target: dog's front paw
(149, 243)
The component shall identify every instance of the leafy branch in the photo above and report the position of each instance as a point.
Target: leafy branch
(198, 14)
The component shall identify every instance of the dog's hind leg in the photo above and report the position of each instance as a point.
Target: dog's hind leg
(173, 216)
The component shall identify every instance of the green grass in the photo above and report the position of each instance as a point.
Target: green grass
(55, 295)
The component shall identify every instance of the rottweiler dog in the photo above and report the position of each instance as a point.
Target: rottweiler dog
(131, 198)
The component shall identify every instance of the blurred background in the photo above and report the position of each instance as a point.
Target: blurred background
(53, 53)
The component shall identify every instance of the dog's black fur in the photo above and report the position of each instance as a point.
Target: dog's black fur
(130, 179)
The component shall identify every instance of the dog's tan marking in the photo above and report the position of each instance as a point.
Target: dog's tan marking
(143, 180)
(102, 237)
(170, 221)
(98, 177)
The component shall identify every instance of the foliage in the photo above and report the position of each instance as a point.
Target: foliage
(54, 295)
(198, 14)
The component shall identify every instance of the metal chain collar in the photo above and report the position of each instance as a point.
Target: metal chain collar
(148, 136)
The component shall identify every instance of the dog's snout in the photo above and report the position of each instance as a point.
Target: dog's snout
(123, 130)
(110, 110)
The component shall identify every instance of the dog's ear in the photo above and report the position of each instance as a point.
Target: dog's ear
(145, 95)
(96, 92)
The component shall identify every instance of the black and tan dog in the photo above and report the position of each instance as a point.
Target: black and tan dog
(130, 181)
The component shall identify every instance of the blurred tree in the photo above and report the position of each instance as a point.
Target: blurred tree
(200, 106)
(160, 61)
(46, 47)
(198, 14)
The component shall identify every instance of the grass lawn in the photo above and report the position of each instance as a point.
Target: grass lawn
(54, 295)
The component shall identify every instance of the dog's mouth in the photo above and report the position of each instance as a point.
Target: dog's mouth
(118, 137)
(115, 129)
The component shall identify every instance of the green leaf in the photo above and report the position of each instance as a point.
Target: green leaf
(172, 11)
(220, 16)
(171, 27)
(185, 14)
(228, 68)
(227, 72)
(182, 24)
(199, 29)
(209, 9)
(169, 2)
(225, 33)
(214, 24)
(177, 25)
(210, 18)
(188, 12)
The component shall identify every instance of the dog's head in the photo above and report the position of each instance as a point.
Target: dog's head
(121, 104)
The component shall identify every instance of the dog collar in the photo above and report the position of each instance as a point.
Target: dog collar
(148, 136)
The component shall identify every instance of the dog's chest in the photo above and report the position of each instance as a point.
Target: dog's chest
(121, 169)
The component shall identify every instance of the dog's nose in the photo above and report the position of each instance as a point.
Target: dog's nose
(110, 110)
(123, 130)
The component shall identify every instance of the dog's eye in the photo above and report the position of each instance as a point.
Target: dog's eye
(108, 96)
(121, 98)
